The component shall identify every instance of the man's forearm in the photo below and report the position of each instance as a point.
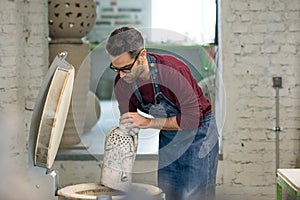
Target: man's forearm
(164, 123)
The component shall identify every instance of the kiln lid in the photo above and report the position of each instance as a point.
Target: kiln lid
(51, 109)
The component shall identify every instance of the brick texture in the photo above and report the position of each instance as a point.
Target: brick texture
(261, 39)
(23, 63)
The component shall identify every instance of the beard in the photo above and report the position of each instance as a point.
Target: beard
(129, 79)
(134, 74)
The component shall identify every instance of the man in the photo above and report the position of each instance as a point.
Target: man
(162, 85)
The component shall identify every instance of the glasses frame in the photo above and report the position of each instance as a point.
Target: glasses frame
(127, 68)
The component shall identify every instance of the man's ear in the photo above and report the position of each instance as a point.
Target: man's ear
(144, 53)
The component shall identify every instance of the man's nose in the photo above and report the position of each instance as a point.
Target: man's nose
(122, 74)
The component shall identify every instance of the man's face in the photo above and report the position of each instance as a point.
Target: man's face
(124, 61)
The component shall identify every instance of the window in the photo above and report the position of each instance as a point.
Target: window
(194, 19)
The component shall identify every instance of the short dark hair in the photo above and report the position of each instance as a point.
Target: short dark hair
(125, 39)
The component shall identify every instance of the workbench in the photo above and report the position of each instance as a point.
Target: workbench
(289, 181)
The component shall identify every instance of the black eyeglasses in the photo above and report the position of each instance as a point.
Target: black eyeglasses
(126, 68)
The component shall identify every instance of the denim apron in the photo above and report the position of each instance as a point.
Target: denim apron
(187, 158)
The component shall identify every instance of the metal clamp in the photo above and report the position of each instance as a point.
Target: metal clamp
(62, 55)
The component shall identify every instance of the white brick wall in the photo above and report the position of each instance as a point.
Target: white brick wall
(23, 63)
(23, 49)
(261, 39)
(18, 54)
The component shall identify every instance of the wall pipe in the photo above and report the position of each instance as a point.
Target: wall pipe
(277, 84)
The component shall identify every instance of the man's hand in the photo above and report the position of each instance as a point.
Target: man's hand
(135, 120)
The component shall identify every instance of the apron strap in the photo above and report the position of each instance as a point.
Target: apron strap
(137, 92)
(154, 73)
